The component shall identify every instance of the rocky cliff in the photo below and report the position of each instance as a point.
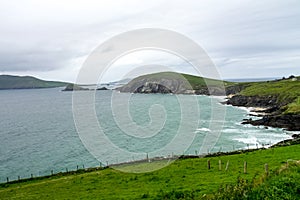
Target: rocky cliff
(169, 82)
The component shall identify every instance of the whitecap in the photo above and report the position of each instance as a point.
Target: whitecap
(203, 130)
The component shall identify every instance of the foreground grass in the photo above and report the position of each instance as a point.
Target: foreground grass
(282, 184)
(186, 178)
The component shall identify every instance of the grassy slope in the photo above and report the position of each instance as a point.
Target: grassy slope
(195, 81)
(26, 82)
(282, 184)
(287, 91)
(182, 176)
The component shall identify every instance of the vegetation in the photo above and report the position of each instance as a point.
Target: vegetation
(195, 82)
(26, 82)
(282, 184)
(183, 179)
(287, 92)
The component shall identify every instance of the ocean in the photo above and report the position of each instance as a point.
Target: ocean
(38, 133)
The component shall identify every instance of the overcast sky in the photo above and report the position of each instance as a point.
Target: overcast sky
(51, 39)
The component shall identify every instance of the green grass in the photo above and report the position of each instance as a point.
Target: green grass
(188, 81)
(186, 178)
(26, 82)
(293, 108)
(282, 184)
(286, 91)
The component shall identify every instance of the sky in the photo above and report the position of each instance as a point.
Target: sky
(244, 38)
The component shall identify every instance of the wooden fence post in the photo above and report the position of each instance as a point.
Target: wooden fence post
(208, 164)
(220, 165)
(7, 179)
(227, 165)
(267, 169)
(245, 167)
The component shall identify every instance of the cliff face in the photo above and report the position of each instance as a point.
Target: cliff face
(165, 85)
(253, 101)
(288, 122)
(171, 85)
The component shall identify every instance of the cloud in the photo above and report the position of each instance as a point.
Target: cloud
(48, 37)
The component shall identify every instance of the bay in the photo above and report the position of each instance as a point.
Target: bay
(38, 133)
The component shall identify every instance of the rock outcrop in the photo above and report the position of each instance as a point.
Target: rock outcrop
(274, 116)
(253, 101)
(102, 88)
(150, 87)
(72, 87)
(288, 122)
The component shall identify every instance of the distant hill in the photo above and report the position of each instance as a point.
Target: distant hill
(26, 82)
(171, 82)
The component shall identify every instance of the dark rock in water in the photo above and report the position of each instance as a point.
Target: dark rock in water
(273, 116)
(288, 122)
(73, 87)
(296, 136)
(102, 88)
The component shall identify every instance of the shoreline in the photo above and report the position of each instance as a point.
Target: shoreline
(294, 141)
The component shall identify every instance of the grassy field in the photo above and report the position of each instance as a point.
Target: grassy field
(184, 178)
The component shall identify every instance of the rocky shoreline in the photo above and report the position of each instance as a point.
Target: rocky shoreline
(272, 112)
(271, 107)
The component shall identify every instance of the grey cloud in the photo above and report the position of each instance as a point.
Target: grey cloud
(236, 34)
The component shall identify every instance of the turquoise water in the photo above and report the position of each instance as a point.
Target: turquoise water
(38, 133)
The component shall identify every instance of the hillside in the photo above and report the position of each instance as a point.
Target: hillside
(184, 179)
(26, 82)
(279, 98)
(171, 82)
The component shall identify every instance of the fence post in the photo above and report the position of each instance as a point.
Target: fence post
(227, 165)
(245, 167)
(267, 169)
(220, 165)
(208, 164)
(7, 179)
